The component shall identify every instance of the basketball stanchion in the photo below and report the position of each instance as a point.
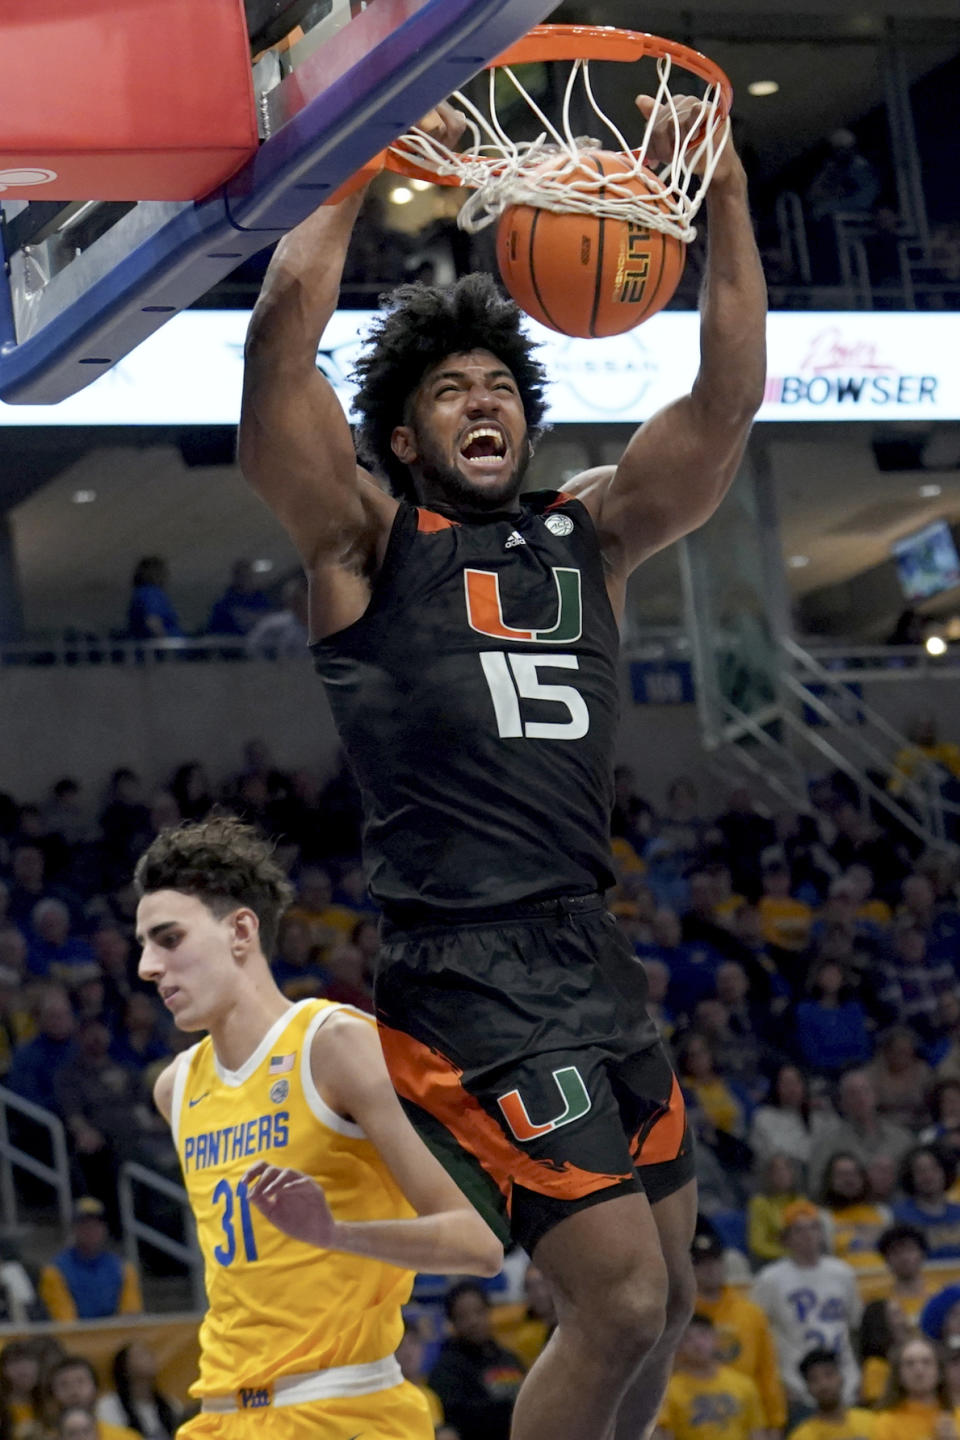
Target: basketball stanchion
(121, 102)
(592, 236)
(86, 287)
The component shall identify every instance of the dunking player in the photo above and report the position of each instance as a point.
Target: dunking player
(467, 637)
(277, 1098)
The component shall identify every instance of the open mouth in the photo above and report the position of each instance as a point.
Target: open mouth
(484, 446)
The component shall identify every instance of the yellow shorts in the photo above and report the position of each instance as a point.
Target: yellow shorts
(400, 1413)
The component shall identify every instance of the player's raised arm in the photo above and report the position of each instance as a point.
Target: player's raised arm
(295, 445)
(678, 466)
(446, 1237)
(296, 449)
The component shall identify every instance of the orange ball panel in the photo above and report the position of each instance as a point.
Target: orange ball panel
(585, 275)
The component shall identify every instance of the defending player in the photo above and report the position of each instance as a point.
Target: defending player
(467, 637)
(275, 1089)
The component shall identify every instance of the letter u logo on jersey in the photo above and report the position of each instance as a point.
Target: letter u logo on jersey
(576, 1102)
(485, 610)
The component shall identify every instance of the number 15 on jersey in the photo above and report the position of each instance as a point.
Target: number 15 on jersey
(513, 678)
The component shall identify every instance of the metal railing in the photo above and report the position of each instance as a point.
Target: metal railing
(646, 642)
(135, 1230)
(792, 228)
(914, 801)
(93, 650)
(808, 718)
(926, 277)
(885, 662)
(56, 1175)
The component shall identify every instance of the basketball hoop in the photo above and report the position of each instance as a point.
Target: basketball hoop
(550, 172)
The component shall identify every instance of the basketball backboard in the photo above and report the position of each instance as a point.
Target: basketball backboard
(87, 281)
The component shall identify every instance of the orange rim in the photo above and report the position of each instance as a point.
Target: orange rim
(583, 42)
(605, 42)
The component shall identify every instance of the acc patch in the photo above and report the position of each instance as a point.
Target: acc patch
(558, 524)
(279, 1091)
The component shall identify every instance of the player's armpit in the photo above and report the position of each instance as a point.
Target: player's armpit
(679, 464)
(449, 1236)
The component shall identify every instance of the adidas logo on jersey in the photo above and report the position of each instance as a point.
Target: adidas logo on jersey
(513, 539)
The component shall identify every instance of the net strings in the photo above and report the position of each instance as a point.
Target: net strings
(551, 173)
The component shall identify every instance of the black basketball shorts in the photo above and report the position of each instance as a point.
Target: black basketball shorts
(523, 1054)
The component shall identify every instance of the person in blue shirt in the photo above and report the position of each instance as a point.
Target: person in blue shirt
(151, 615)
(927, 1174)
(87, 1281)
(693, 968)
(831, 1031)
(37, 1063)
(296, 966)
(53, 949)
(240, 606)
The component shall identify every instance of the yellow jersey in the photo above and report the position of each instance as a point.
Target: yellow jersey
(786, 922)
(725, 1407)
(857, 1424)
(745, 1343)
(278, 1307)
(519, 1331)
(874, 1379)
(910, 1420)
(24, 1421)
(856, 1229)
(765, 1224)
(877, 912)
(433, 1402)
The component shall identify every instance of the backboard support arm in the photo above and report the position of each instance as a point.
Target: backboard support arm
(371, 81)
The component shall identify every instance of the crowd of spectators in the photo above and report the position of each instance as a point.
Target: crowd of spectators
(80, 1035)
(47, 1393)
(804, 970)
(846, 223)
(244, 613)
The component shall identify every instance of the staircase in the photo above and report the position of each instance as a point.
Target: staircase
(817, 718)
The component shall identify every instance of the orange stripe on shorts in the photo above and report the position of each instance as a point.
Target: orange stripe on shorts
(428, 1079)
(665, 1136)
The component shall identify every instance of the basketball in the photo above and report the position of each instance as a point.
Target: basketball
(588, 275)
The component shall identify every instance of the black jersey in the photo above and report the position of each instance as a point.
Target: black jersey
(477, 700)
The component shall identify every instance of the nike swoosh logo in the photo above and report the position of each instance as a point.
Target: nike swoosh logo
(197, 1099)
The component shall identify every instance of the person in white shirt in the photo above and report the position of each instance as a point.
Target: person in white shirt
(812, 1303)
(286, 631)
(787, 1124)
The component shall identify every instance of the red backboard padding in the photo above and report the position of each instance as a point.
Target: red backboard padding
(123, 99)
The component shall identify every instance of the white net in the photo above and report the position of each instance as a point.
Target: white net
(551, 173)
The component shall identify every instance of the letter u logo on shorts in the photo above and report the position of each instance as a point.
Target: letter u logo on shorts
(576, 1102)
(485, 610)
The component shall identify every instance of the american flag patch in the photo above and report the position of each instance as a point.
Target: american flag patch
(280, 1064)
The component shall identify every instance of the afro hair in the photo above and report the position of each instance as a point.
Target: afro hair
(421, 325)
